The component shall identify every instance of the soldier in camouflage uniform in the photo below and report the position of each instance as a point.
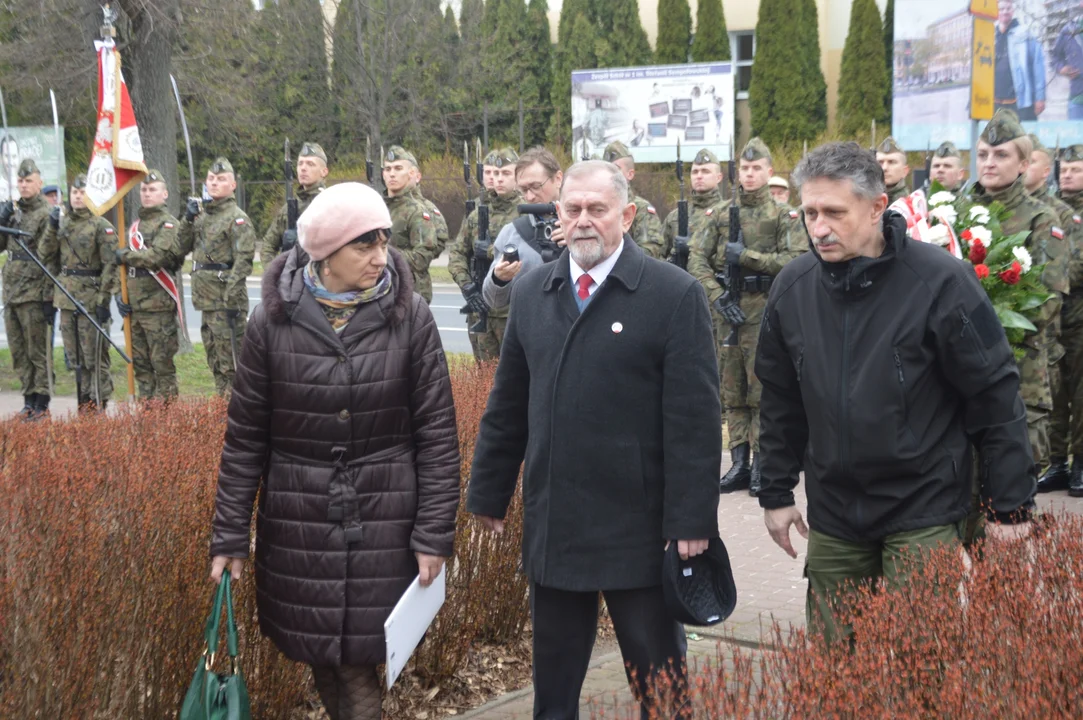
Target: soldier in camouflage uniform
(892, 159)
(28, 294)
(706, 176)
(153, 312)
(311, 173)
(772, 238)
(946, 168)
(502, 198)
(222, 241)
(646, 229)
(414, 229)
(1003, 154)
(442, 232)
(80, 250)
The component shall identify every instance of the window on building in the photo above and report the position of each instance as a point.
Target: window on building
(742, 50)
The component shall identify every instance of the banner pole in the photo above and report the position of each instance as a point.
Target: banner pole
(122, 243)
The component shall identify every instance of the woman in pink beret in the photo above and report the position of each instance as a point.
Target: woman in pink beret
(342, 420)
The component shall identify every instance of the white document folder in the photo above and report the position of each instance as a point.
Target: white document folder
(411, 617)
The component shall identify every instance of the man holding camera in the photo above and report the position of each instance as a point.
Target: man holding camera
(534, 238)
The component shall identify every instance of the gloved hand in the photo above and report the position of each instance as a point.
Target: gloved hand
(232, 315)
(122, 307)
(7, 209)
(192, 209)
(54, 217)
(474, 301)
(49, 311)
(289, 240)
(101, 314)
(122, 255)
(728, 308)
(733, 253)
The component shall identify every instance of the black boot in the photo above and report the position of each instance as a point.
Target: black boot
(41, 408)
(1075, 487)
(31, 401)
(740, 474)
(1056, 477)
(754, 479)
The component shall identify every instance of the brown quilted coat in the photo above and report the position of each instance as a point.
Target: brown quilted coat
(352, 441)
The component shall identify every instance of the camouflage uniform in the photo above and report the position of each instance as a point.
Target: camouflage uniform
(82, 254)
(1047, 246)
(899, 189)
(26, 293)
(272, 239)
(438, 219)
(502, 210)
(948, 149)
(222, 242)
(646, 229)
(698, 204)
(772, 238)
(413, 229)
(154, 313)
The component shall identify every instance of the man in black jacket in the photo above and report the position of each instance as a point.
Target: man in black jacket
(608, 386)
(882, 363)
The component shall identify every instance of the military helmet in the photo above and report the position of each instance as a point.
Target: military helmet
(946, 150)
(616, 150)
(889, 147)
(755, 149)
(27, 168)
(311, 149)
(221, 165)
(699, 590)
(79, 181)
(397, 152)
(1072, 153)
(705, 157)
(500, 158)
(1004, 127)
(153, 176)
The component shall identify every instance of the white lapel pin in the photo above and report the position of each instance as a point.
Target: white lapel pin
(617, 327)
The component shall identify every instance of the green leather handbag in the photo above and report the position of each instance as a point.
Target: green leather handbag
(216, 696)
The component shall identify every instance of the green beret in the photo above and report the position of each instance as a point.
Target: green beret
(946, 150)
(221, 165)
(501, 157)
(755, 150)
(27, 168)
(1004, 127)
(79, 181)
(705, 157)
(889, 146)
(616, 150)
(153, 176)
(1072, 153)
(311, 149)
(397, 152)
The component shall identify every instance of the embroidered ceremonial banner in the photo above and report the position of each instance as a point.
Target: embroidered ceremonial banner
(116, 165)
(135, 242)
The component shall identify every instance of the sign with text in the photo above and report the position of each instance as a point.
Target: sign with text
(982, 75)
(37, 142)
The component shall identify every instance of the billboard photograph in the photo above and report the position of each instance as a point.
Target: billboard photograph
(1030, 50)
(37, 142)
(650, 108)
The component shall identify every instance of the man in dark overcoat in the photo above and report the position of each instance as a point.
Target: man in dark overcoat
(608, 387)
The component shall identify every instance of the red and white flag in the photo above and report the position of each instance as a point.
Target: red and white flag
(116, 165)
(135, 242)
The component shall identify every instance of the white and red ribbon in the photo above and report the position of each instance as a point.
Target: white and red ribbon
(135, 241)
(915, 209)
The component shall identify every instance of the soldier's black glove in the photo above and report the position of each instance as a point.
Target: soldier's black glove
(192, 209)
(728, 308)
(122, 307)
(122, 255)
(232, 315)
(289, 240)
(49, 311)
(474, 301)
(101, 314)
(733, 253)
(54, 217)
(7, 209)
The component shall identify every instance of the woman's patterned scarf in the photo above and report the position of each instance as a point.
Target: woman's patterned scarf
(340, 307)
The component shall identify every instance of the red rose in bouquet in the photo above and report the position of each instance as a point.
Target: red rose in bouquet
(967, 235)
(1012, 274)
(977, 250)
(982, 271)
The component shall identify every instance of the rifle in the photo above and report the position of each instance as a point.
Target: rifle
(927, 182)
(470, 204)
(1054, 179)
(680, 243)
(369, 169)
(479, 257)
(289, 238)
(731, 278)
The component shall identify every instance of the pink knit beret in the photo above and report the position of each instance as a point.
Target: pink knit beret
(338, 215)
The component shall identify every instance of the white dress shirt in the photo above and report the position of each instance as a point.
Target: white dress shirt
(599, 272)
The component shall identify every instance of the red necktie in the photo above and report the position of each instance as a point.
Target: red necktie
(584, 283)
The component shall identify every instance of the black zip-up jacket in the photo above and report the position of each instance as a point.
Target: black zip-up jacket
(878, 375)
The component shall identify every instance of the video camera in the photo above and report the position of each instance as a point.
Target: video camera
(545, 219)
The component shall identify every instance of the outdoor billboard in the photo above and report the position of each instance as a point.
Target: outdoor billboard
(39, 143)
(650, 108)
(1031, 55)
